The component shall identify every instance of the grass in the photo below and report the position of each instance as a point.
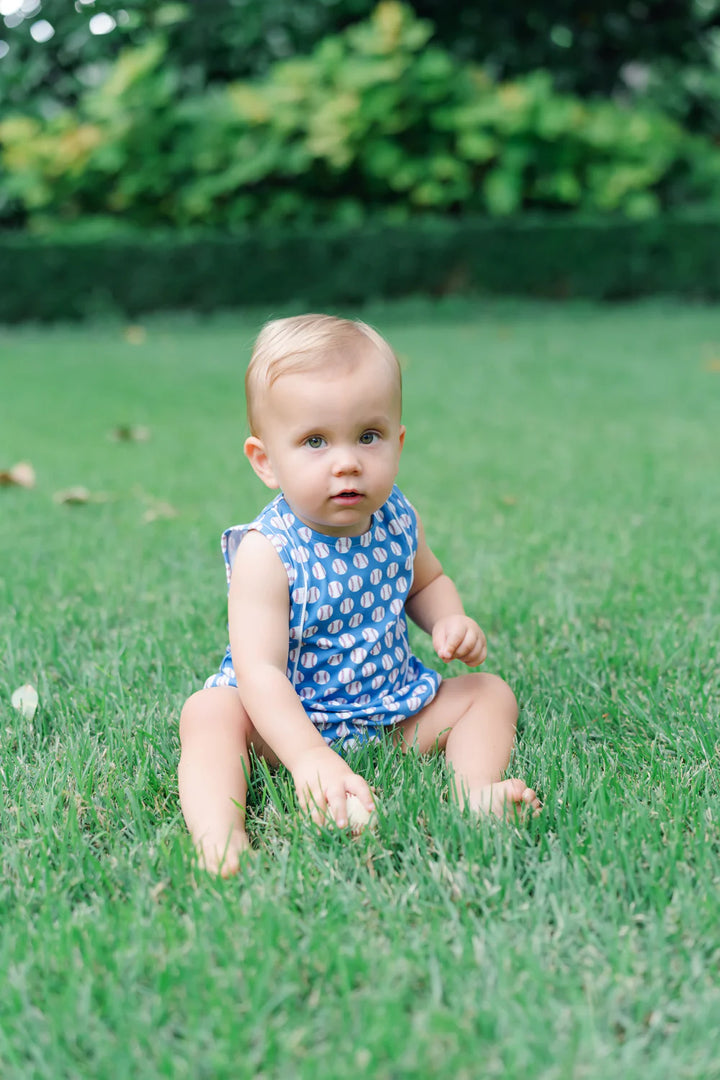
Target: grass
(565, 461)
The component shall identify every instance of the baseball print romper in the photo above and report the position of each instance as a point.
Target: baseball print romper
(349, 658)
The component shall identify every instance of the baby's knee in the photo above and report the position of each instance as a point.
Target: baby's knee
(506, 694)
(192, 717)
(498, 695)
(212, 708)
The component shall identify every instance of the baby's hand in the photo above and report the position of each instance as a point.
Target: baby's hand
(323, 780)
(458, 637)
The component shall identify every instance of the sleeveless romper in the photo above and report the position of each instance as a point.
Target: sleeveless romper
(349, 659)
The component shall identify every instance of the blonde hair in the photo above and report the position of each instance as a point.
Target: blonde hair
(304, 343)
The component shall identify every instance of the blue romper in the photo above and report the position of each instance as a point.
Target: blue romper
(349, 658)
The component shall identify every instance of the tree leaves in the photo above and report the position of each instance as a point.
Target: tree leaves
(376, 120)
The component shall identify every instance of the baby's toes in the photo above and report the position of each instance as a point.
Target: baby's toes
(529, 797)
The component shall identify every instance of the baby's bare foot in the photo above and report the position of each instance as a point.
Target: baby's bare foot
(222, 857)
(509, 799)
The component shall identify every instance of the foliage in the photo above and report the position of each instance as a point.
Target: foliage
(377, 120)
(587, 49)
(82, 272)
(212, 42)
(688, 92)
(587, 46)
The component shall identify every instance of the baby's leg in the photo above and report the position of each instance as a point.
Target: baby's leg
(215, 736)
(473, 718)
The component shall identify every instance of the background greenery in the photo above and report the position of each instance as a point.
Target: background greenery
(78, 273)
(599, 47)
(388, 116)
(567, 475)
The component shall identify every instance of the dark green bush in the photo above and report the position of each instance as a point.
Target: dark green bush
(603, 259)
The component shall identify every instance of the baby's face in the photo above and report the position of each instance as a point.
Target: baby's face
(333, 442)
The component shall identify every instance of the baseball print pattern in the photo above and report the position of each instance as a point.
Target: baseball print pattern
(349, 658)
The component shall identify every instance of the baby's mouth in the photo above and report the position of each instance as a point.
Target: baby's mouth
(348, 496)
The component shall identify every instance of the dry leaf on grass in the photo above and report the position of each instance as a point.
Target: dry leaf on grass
(158, 510)
(78, 496)
(130, 433)
(20, 475)
(74, 496)
(135, 335)
(25, 699)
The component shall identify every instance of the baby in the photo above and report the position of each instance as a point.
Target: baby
(319, 587)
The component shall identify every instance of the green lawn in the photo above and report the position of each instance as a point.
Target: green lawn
(566, 460)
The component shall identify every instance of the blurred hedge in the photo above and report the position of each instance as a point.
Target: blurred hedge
(46, 279)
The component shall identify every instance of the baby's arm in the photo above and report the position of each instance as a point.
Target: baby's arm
(435, 605)
(258, 615)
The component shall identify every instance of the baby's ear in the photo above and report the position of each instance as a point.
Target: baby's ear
(256, 454)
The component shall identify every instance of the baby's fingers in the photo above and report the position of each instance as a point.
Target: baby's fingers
(472, 650)
(355, 785)
(337, 798)
(337, 807)
(466, 643)
(446, 642)
(313, 802)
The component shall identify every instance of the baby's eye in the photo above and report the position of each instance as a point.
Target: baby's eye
(369, 437)
(315, 442)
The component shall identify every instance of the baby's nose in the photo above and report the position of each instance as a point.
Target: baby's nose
(346, 460)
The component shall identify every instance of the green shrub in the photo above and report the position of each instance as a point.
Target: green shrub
(72, 276)
(377, 121)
